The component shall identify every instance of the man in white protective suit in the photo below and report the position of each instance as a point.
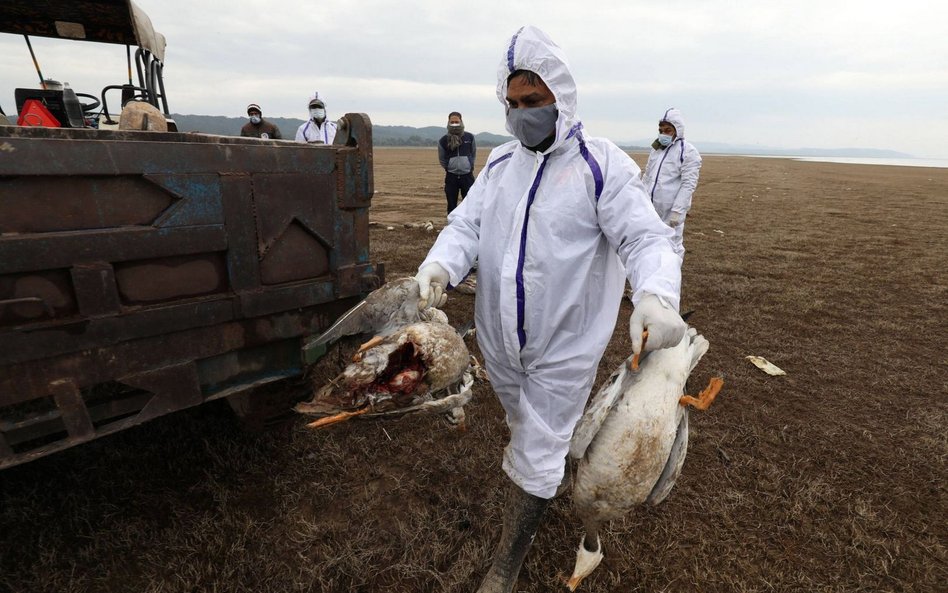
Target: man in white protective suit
(558, 222)
(317, 130)
(671, 174)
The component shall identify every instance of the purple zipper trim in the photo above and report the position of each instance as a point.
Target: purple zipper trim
(593, 164)
(510, 50)
(521, 298)
(657, 173)
(498, 160)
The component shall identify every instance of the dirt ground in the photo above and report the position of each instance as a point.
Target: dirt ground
(829, 479)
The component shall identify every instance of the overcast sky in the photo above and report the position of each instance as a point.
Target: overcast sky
(820, 74)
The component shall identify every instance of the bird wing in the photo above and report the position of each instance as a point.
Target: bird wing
(602, 404)
(439, 405)
(384, 309)
(352, 322)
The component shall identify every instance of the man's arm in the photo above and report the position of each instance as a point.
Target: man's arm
(689, 180)
(442, 154)
(276, 133)
(628, 219)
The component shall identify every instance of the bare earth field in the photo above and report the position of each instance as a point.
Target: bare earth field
(829, 479)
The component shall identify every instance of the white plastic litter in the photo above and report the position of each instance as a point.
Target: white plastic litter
(766, 366)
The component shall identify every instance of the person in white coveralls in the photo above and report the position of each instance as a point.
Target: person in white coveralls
(671, 174)
(559, 221)
(317, 129)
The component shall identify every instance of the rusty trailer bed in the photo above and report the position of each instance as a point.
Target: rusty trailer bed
(143, 273)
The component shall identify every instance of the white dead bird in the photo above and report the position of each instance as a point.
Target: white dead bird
(632, 440)
(421, 367)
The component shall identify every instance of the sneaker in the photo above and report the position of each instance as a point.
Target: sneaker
(467, 286)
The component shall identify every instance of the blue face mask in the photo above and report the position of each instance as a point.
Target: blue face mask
(665, 139)
(532, 125)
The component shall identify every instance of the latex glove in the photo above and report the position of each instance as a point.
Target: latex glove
(665, 326)
(675, 219)
(432, 281)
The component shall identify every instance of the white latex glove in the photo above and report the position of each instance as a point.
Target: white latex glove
(432, 280)
(665, 326)
(675, 219)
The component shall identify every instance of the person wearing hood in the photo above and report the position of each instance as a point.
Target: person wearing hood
(456, 152)
(258, 127)
(671, 174)
(317, 130)
(559, 221)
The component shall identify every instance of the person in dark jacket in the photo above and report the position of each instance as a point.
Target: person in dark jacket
(456, 151)
(258, 127)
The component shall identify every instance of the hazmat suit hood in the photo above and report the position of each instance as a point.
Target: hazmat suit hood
(532, 49)
(316, 101)
(673, 116)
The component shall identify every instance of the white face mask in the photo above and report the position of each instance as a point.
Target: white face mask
(317, 113)
(665, 139)
(255, 119)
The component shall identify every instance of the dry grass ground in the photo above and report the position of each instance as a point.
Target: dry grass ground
(829, 479)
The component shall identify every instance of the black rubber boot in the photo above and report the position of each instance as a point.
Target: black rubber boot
(567, 481)
(522, 517)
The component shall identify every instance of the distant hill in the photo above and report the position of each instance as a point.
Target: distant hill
(429, 136)
(381, 135)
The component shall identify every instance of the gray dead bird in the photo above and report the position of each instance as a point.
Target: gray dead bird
(420, 367)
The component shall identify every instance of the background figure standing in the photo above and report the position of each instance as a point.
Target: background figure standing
(316, 130)
(258, 127)
(456, 151)
(671, 174)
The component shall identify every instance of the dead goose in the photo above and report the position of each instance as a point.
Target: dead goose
(632, 440)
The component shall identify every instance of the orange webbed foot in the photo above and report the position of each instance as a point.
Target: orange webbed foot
(634, 365)
(704, 399)
(375, 341)
(336, 418)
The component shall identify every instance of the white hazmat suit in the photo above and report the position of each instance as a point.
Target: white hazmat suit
(556, 233)
(671, 177)
(312, 132)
